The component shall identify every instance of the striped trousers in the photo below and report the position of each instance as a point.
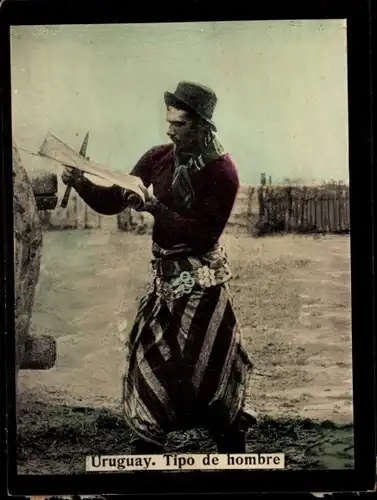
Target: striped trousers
(186, 365)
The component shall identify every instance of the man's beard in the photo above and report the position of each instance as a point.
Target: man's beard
(181, 156)
(182, 151)
(185, 151)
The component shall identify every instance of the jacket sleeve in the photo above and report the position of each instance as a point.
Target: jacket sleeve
(205, 227)
(113, 200)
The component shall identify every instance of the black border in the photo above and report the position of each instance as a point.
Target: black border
(357, 13)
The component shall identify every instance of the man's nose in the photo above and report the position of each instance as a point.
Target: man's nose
(171, 131)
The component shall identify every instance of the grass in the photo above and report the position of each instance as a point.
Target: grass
(59, 437)
(293, 306)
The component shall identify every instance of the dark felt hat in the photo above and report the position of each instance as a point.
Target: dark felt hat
(198, 98)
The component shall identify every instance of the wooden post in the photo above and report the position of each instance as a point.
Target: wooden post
(39, 354)
(86, 216)
(312, 211)
(329, 225)
(330, 212)
(347, 212)
(249, 214)
(341, 210)
(289, 208)
(302, 208)
(317, 205)
(322, 213)
(336, 212)
(309, 211)
(75, 212)
(261, 202)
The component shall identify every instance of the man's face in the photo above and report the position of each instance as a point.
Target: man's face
(181, 130)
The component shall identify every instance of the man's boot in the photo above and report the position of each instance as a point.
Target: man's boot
(232, 441)
(141, 447)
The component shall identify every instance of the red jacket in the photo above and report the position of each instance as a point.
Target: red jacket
(215, 185)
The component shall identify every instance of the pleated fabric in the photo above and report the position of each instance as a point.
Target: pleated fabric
(186, 366)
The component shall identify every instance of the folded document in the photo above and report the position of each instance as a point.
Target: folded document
(57, 150)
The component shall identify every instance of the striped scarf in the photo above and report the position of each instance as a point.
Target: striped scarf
(182, 187)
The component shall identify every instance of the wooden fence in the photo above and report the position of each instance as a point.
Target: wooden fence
(244, 210)
(132, 221)
(321, 209)
(267, 209)
(77, 215)
(257, 210)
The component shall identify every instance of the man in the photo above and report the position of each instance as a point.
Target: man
(186, 364)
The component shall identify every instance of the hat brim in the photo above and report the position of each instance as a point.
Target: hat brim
(174, 101)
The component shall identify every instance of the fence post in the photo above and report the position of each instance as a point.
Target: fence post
(86, 216)
(261, 205)
(76, 212)
(249, 214)
(289, 208)
(302, 208)
(347, 212)
(330, 212)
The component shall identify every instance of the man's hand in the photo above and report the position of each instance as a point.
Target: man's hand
(150, 199)
(71, 176)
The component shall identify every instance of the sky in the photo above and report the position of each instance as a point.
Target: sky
(281, 88)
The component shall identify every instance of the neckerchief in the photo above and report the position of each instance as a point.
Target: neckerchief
(182, 187)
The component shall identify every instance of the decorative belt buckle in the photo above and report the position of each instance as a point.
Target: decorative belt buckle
(184, 283)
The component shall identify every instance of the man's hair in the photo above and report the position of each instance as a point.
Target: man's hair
(201, 123)
(198, 121)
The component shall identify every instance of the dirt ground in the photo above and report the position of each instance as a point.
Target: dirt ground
(292, 296)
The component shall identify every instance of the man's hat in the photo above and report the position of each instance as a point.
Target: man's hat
(198, 98)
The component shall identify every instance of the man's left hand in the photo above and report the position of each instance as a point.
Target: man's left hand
(150, 199)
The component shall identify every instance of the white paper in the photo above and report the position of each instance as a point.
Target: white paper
(57, 150)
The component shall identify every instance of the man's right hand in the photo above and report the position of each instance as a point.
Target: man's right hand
(71, 176)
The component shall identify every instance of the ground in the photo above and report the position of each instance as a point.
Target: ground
(292, 295)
